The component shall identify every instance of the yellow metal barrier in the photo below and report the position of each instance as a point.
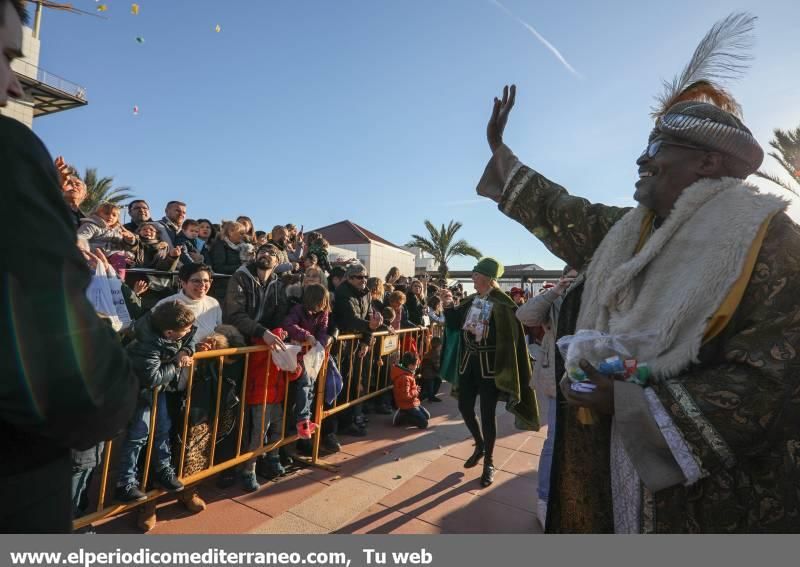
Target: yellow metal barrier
(356, 389)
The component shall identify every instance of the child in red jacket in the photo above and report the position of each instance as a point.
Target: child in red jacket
(264, 398)
(406, 393)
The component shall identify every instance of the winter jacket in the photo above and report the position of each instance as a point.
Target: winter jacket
(252, 306)
(542, 310)
(154, 358)
(431, 363)
(167, 230)
(224, 258)
(190, 247)
(261, 384)
(153, 254)
(416, 308)
(351, 311)
(66, 381)
(300, 324)
(93, 230)
(405, 389)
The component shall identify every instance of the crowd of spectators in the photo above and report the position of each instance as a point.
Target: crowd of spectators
(192, 285)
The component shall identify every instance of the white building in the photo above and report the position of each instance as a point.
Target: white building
(423, 262)
(376, 253)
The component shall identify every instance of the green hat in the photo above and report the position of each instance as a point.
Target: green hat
(489, 267)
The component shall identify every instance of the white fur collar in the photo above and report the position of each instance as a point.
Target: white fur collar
(682, 274)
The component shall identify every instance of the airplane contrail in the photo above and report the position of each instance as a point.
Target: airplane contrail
(539, 36)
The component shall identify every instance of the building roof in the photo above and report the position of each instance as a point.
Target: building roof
(522, 267)
(346, 232)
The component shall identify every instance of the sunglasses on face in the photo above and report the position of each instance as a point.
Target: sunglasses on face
(655, 146)
(362, 277)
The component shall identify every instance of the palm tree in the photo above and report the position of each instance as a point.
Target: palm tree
(102, 189)
(442, 245)
(786, 144)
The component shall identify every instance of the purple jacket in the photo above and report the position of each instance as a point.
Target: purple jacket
(300, 324)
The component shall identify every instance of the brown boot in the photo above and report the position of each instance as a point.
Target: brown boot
(192, 501)
(146, 519)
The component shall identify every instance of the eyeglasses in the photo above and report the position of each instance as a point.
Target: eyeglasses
(199, 282)
(361, 277)
(653, 147)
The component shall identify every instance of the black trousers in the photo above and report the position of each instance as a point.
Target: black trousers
(471, 386)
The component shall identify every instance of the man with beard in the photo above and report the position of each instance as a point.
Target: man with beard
(139, 211)
(171, 224)
(709, 266)
(280, 240)
(255, 300)
(66, 382)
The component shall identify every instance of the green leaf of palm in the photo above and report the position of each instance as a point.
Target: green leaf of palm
(101, 189)
(441, 246)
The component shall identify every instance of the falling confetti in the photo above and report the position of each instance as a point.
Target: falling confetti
(135, 110)
(139, 39)
(135, 9)
(102, 8)
(218, 28)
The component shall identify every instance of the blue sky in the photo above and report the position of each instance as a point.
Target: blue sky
(375, 110)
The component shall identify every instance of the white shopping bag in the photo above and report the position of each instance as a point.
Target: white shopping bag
(286, 359)
(115, 285)
(313, 359)
(99, 295)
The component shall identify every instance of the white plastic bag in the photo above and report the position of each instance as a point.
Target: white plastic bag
(313, 359)
(115, 285)
(286, 359)
(620, 354)
(99, 295)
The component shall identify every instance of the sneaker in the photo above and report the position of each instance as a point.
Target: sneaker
(355, 431)
(270, 468)
(331, 443)
(249, 481)
(166, 479)
(146, 517)
(129, 493)
(426, 412)
(541, 512)
(192, 501)
(306, 428)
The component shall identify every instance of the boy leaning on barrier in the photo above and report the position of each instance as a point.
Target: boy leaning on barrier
(164, 344)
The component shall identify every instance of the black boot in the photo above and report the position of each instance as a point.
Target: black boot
(487, 477)
(476, 457)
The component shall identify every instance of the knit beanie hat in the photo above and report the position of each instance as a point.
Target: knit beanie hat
(489, 267)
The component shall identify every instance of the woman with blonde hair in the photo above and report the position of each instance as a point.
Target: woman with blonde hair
(225, 255)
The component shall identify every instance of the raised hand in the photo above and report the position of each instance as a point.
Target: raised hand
(500, 111)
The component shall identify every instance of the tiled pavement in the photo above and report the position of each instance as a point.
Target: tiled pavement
(396, 480)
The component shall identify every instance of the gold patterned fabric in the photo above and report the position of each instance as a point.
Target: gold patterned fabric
(738, 410)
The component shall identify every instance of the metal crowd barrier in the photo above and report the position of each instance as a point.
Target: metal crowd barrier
(372, 379)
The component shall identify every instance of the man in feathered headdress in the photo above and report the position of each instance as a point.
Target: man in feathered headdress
(710, 267)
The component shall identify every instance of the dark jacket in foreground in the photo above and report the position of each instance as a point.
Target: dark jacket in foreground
(66, 382)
